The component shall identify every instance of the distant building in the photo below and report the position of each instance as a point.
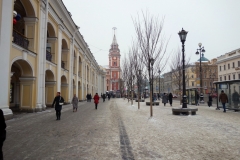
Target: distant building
(113, 70)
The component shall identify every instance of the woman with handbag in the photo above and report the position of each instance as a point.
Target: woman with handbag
(96, 100)
(58, 101)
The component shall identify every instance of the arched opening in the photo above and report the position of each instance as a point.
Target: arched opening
(21, 86)
(50, 85)
(64, 87)
(64, 54)
(51, 46)
(87, 74)
(24, 28)
(79, 90)
(74, 87)
(74, 63)
(80, 67)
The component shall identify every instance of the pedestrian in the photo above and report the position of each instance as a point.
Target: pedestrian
(108, 96)
(170, 96)
(224, 99)
(103, 97)
(87, 97)
(96, 100)
(2, 132)
(90, 97)
(75, 103)
(164, 99)
(58, 101)
(197, 99)
(209, 100)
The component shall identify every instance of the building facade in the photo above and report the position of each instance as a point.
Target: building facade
(43, 52)
(113, 70)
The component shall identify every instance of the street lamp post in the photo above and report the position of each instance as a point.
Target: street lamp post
(183, 34)
(159, 71)
(201, 51)
(132, 88)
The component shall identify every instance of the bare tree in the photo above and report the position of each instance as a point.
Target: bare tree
(152, 45)
(177, 68)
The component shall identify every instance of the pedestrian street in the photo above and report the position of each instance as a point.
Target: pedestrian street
(118, 130)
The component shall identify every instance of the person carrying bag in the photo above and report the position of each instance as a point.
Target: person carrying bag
(58, 101)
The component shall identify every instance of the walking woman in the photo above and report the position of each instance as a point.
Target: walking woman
(96, 100)
(170, 96)
(75, 103)
(164, 99)
(58, 101)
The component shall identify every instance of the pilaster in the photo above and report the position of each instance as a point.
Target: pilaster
(5, 47)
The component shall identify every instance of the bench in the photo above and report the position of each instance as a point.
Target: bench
(140, 100)
(184, 111)
(154, 103)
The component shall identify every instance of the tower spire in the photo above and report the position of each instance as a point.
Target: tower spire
(114, 42)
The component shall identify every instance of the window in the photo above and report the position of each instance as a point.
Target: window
(229, 77)
(233, 65)
(210, 83)
(192, 83)
(220, 78)
(205, 84)
(228, 66)
(192, 76)
(224, 67)
(225, 78)
(238, 63)
(220, 68)
(233, 76)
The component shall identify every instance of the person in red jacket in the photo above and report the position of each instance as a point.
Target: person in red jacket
(96, 100)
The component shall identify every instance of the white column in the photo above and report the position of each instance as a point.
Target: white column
(41, 58)
(77, 74)
(59, 58)
(70, 87)
(5, 48)
(83, 66)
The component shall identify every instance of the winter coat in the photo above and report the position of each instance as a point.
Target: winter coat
(164, 99)
(170, 97)
(3, 127)
(223, 98)
(96, 99)
(75, 102)
(56, 101)
(104, 96)
(210, 98)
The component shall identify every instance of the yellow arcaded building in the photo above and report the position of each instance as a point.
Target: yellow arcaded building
(43, 52)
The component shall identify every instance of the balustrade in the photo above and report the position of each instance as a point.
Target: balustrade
(20, 39)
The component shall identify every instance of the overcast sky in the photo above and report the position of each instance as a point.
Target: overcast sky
(214, 23)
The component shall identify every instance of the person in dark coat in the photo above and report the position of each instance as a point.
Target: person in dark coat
(170, 96)
(223, 98)
(103, 97)
(197, 99)
(209, 100)
(109, 96)
(2, 132)
(96, 100)
(164, 99)
(58, 101)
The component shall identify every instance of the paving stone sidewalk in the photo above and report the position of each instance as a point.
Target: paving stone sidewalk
(119, 130)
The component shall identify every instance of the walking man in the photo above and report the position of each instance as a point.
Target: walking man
(58, 101)
(2, 132)
(96, 100)
(224, 99)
